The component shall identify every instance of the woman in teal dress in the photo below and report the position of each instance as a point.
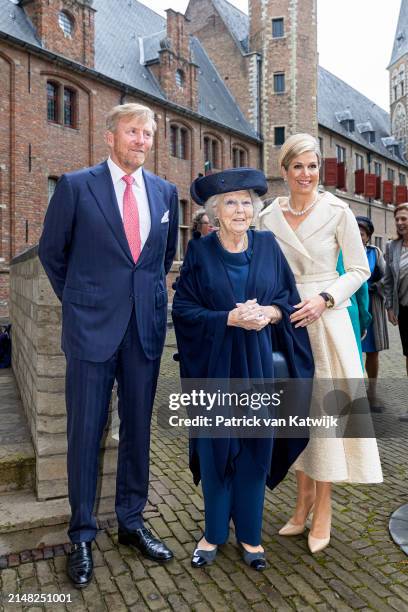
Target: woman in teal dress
(358, 310)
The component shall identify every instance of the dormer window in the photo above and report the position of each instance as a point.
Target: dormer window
(367, 131)
(66, 23)
(180, 78)
(346, 120)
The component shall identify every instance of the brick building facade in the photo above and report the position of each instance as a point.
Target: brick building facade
(226, 88)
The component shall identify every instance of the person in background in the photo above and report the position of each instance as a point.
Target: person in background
(396, 280)
(360, 316)
(376, 339)
(201, 225)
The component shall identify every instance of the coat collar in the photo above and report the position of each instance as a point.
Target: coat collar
(274, 220)
(397, 245)
(101, 185)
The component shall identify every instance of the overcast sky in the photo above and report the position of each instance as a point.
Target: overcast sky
(355, 39)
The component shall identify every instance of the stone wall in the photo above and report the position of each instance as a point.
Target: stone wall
(39, 367)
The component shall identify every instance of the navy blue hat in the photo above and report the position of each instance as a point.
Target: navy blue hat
(366, 224)
(235, 179)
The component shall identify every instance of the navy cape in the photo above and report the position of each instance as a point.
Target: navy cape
(208, 348)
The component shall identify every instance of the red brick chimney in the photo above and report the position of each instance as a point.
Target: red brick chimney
(65, 26)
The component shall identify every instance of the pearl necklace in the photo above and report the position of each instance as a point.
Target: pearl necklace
(299, 213)
(244, 246)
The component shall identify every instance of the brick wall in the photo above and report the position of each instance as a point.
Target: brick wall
(80, 45)
(33, 149)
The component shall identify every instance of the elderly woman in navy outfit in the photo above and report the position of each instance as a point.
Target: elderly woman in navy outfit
(231, 311)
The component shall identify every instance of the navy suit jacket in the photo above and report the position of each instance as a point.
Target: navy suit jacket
(86, 256)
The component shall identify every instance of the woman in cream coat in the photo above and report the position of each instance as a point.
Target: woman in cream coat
(311, 229)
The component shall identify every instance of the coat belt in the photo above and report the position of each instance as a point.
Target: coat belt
(302, 279)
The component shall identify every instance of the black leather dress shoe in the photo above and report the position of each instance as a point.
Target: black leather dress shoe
(80, 564)
(144, 540)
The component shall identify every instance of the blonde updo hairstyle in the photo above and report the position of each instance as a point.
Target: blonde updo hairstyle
(296, 145)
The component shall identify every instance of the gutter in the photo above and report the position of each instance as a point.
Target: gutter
(93, 74)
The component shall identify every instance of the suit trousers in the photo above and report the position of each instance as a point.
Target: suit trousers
(239, 497)
(88, 392)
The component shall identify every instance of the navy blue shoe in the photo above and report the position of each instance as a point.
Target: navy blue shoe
(256, 560)
(203, 557)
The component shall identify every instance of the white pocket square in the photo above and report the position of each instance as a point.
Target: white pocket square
(165, 217)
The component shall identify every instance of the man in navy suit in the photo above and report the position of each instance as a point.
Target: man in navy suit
(109, 239)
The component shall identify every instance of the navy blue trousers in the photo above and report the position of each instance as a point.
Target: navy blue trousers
(88, 391)
(239, 497)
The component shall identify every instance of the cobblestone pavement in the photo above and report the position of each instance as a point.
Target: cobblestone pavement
(361, 569)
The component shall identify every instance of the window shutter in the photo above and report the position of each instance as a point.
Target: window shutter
(359, 187)
(401, 194)
(330, 171)
(388, 192)
(370, 185)
(341, 175)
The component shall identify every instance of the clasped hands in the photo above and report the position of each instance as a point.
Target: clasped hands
(252, 316)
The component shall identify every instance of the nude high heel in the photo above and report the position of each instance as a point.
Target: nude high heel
(292, 529)
(317, 544)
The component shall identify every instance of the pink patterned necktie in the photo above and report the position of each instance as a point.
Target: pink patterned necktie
(131, 218)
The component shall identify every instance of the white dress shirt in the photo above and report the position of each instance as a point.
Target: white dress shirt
(139, 191)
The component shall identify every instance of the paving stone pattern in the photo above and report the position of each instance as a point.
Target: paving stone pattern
(361, 569)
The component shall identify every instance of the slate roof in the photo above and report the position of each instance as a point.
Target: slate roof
(117, 49)
(13, 21)
(215, 100)
(122, 51)
(401, 34)
(336, 96)
(336, 99)
(236, 21)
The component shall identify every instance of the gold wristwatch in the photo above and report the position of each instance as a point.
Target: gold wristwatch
(329, 299)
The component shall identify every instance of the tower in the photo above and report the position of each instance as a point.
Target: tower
(398, 68)
(284, 33)
(65, 27)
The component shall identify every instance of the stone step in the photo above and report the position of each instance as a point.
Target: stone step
(17, 457)
(26, 523)
(17, 467)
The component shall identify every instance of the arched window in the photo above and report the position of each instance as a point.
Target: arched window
(179, 141)
(183, 229)
(239, 157)
(52, 102)
(180, 78)
(66, 23)
(69, 107)
(212, 153)
(62, 104)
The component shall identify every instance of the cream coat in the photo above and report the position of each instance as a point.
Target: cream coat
(312, 252)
